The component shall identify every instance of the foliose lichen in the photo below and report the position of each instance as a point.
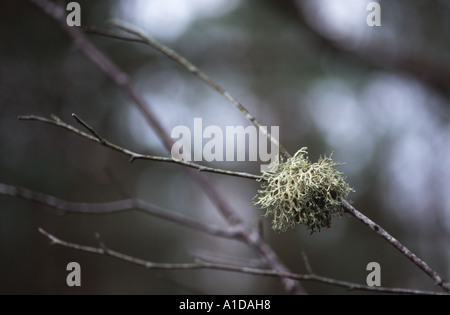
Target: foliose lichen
(302, 192)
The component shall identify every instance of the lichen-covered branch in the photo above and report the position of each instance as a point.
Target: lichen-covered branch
(301, 192)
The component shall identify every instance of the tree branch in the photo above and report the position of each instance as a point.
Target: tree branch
(232, 232)
(144, 39)
(399, 246)
(200, 264)
(56, 121)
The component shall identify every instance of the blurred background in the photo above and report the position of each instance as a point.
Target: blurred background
(378, 98)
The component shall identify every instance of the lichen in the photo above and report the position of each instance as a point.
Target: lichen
(301, 192)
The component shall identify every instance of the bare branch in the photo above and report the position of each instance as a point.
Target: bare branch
(91, 130)
(119, 206)
(103, 250)
(133, 155)
(399, 246)
(142, 38)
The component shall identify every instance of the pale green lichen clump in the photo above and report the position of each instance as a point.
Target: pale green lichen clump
(302, 192)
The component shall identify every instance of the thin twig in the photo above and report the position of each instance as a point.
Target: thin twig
(132, 155)
(399, 246)
(199, 264)
(218, 258)
(306, 261)
(120, 206)
(91, 130)
(142, 38)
